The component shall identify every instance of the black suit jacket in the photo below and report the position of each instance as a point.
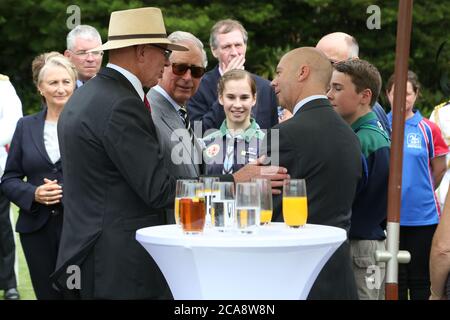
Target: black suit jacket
(28, 159)
(204, 105)
(115, 183)
(317, 145)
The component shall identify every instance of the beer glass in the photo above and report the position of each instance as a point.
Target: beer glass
(178, 195)
(265, 199)
(222, 206)
(247, 207)
(208, 183)
(295, 205)
(192, 208)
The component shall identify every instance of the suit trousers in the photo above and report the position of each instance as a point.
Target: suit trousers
(7, 246)
(41, 249)
(336, 281)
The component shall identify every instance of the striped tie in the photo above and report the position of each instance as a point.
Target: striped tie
(187, 123)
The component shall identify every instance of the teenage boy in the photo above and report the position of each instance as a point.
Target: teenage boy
(354, 88)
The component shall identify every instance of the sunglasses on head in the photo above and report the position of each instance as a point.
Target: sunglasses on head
(181, 68)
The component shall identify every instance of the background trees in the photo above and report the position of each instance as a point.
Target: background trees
(29, 28)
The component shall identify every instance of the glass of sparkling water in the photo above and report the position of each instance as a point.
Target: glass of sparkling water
(222, 206)
(247, 207)
(208, 183)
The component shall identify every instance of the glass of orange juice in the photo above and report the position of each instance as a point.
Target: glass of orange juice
(295, 204)
(265, 199)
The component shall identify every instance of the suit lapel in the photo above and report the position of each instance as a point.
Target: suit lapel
(173, 121)
(37, 133)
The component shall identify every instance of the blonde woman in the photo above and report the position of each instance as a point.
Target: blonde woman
(33, 175)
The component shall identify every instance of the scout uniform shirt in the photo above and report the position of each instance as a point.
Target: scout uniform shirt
(224, 153)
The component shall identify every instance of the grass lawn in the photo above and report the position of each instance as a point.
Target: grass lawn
(24, 282)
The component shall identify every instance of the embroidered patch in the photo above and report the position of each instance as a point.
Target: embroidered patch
(413, 141)
(212, 150)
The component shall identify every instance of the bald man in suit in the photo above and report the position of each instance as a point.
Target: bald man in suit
(317, 145)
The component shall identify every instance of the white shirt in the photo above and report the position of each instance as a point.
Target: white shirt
(137, 84)
(10, 113)
(301, 103)
(164, 93)
(51, 141)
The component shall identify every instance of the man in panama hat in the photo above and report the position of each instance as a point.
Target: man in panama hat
(114, 179)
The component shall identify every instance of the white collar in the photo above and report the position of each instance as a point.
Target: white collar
(301, 103)
(137, 84)
(220, 70)
(164, 93)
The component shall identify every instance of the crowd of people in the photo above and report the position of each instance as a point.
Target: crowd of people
(102, 157)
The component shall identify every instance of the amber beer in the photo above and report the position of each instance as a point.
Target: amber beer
(192, 214)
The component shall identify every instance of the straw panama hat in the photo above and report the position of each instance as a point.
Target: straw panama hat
(137, 26)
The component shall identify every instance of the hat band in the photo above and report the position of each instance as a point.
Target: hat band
(138, 36)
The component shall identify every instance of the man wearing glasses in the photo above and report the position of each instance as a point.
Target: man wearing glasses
(112, 170)
(228, 41)
(79, 41)
(180, 81)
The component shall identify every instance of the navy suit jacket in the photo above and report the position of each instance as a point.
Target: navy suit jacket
(204, 105)
(28, 159)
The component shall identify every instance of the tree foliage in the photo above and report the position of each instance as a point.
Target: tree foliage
(29, 28)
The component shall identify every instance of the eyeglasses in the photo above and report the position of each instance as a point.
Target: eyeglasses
(84, 53)
(166, 53)
(181, 68)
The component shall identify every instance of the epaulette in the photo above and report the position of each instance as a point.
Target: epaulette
(3, 77)
(443, 104)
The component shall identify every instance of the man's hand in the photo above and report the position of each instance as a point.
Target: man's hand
(257, 170)
(235, 63)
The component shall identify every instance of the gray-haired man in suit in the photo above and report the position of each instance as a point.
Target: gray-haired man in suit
(180, 81)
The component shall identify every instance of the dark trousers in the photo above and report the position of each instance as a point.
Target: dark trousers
(41, 249)
(7, 247)
(415, 276)
(336, 281)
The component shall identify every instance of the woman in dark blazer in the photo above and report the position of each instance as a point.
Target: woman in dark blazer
(34, 156)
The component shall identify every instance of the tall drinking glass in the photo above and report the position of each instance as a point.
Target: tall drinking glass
(265, 199)
(192, 208)
(222, 206)
(179, 191)
(295, 204)
(208, 183)
(247, 207)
